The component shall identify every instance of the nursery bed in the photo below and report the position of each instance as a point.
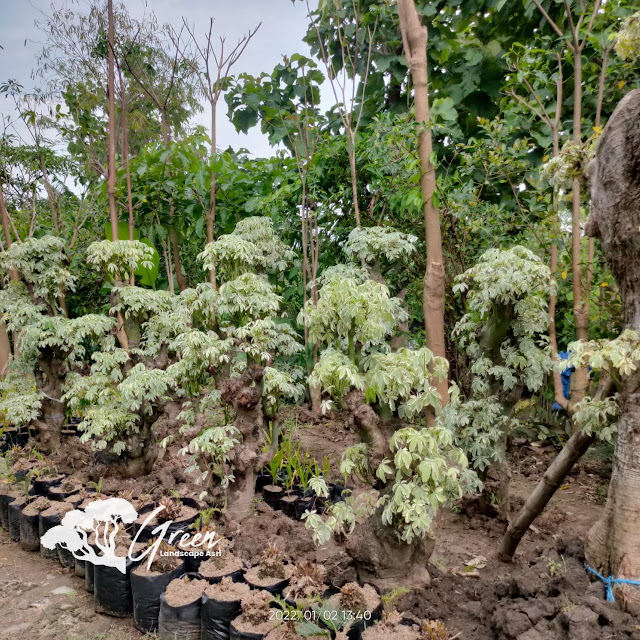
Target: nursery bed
(544, 595)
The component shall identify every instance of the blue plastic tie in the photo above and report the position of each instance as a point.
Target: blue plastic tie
(610, 581)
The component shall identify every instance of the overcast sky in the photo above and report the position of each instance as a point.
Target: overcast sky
(283, 26)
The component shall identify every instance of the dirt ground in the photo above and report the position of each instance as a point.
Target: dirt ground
(545, 594)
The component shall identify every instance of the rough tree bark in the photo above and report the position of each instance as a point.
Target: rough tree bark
(613, 543)
(50, 375)
(414, 37)
(244, 394)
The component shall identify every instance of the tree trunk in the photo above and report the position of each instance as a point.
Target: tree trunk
(580, 377)
(111, 179)
(211, 214)
(125, 157)
(5, 349)
(377, 554)
(414, 36)
(182, 281)
(50, 376)
(613, 542)
(380, 559)
(244, 394)
(552, 479)
(5, 345)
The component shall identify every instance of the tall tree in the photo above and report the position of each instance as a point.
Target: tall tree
(212, 66)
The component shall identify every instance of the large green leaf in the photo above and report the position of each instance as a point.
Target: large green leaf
(123, 231)
(148, 277)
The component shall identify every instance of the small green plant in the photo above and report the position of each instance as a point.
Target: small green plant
(390, 598)
(557, 567)
(96, 485)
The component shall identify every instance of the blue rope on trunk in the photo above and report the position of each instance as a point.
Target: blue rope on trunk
(610, 581)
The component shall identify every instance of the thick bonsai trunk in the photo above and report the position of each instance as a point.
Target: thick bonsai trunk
(136, 460)
(377, 554)
(244, 394)
(50, 377)
(380, 559)
(613, 543)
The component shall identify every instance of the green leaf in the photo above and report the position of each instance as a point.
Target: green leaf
(123, 231)
(148, 277)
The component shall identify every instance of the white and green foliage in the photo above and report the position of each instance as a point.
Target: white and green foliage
(20, 400)
(17, 307)
(504, 334)
(341, 518)
(113, 403)
(569, 164)
(627, 41)
(372, 244)
(121, 258)
(336, 374)
(478, 426)
(248, 332)
(279, 383)
(351, 313)
(252, 246)
(41, 266)
(141, 304)
(401, 380)
(428, 472)
(355, 461)
(231, 255)
(216, 442)
(356, 318)
(348, 271)
(248, 297)
(597, 417)
(260, 339)
(275, 255)
(619, 357)
(64, 337)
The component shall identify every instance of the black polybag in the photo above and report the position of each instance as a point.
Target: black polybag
(112, 590)
(88, 577)
(15, 508)
(235, 634)
(29, 532)
(5, 499)
(146, 591)
(216, 617)
(44, 524)
(179, 623)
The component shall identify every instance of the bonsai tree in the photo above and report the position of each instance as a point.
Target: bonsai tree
(504, 335)
(127, 389)
(416, 469)
(50, 344)
(242, 364)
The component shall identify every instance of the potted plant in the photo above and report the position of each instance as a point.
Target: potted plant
(271, 573)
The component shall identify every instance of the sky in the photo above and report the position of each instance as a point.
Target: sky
(283, 26)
